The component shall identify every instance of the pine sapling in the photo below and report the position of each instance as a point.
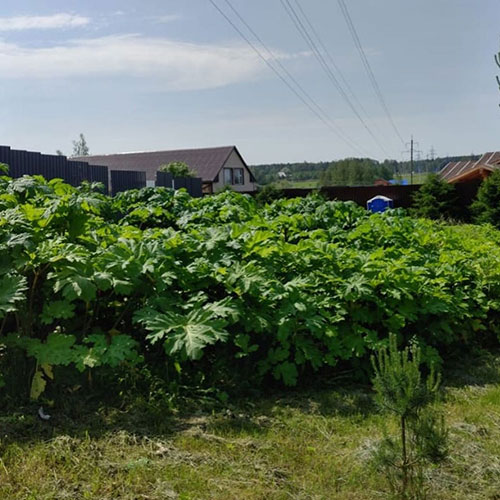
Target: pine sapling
(401, 391)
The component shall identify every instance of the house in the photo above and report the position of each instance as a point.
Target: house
(469, 170)
(218, 167)
(381, 182)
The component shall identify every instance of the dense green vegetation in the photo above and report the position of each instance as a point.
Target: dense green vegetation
(222, 291)
(436, 199)
(350, 171)
(486, 208)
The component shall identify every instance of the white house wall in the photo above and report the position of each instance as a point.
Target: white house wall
(234, 161)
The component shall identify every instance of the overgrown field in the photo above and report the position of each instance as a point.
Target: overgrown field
(222, 292)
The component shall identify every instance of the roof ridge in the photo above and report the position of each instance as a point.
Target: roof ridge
(158, 151)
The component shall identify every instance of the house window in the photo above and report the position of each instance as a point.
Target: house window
(228, 176)
(238, 176)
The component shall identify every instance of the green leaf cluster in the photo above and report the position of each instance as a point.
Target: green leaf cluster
(227, 288)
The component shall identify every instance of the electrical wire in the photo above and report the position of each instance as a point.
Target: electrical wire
(330, 57)
(319, 114)
(312, 45)
(290, 76)
(366, 64)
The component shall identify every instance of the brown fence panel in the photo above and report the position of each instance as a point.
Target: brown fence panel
(402, 195)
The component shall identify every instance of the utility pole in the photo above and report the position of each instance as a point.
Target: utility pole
(412, 150)
(411, 161)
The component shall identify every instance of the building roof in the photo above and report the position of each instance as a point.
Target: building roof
(460, 170)
(207, 162)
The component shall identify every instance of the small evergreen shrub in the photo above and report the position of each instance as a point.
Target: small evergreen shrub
(486, 207)
(267, 194)
(401, 391)
(436, 199)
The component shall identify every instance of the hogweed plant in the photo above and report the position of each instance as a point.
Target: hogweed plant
(402, 391)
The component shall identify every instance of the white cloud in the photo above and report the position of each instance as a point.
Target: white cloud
(166, 19)
(55, 21)
(174, 65)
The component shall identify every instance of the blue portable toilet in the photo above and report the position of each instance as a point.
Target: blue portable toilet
(379, 204)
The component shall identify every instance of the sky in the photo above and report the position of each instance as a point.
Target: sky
(173, 74)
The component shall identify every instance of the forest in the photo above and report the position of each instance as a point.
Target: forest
(349, 171)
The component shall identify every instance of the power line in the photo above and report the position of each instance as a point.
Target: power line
(312, 45)
(291, 77)
(330, 57)
(367, 66)
(282, 78)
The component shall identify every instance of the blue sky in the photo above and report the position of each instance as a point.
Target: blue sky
(168, 74)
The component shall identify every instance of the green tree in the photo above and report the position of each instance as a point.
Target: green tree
(267, 194)
(436, 199)
(177, 169)
(59, 152)
(486, 207)
(351, 172)
(401, 391)
(80, 147)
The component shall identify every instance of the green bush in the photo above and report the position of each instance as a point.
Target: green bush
(267, 194)
(422, 435)
(177, 169)
(223, 290)
(436, 199)
(486, 207)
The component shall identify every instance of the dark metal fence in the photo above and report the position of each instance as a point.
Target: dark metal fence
(164, 179)
(193, 185)
(75, 172)
(123, 180)
(52, 166)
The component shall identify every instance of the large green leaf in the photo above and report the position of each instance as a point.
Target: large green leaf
(184, 334)
(12, 292)
(58, 309)
(56, 350)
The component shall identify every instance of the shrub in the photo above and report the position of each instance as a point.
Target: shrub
(267, 194)
(401, 392)
(177, 169)
(222, 290)
(436, 199)
(486, 207)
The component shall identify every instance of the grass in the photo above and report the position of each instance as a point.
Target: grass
(418, 178)
(305, 184)
(295, 445)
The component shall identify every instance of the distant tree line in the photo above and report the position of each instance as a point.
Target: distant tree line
(347, 172)
(356, 172)
(267, 174)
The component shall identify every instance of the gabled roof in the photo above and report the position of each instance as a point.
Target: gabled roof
(207, 162)
(457, 170)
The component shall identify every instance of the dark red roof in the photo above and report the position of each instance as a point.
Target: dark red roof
(457, 169)
(207, 162)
